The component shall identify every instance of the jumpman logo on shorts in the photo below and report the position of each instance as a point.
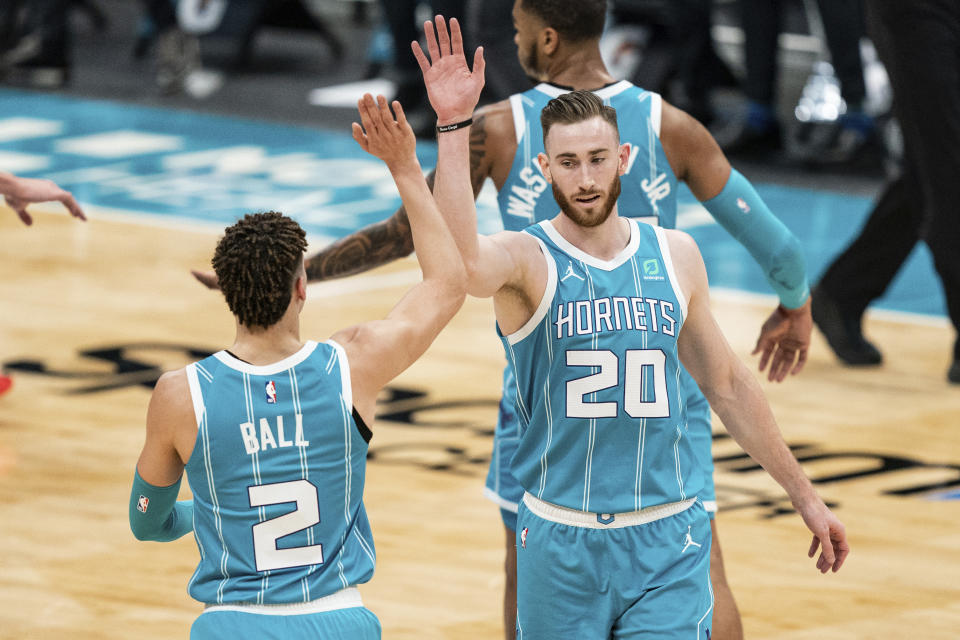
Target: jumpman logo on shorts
(570, 273)
(688, 542)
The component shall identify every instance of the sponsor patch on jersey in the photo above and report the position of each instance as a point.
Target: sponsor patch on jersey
(142, 504)
(651, 269)
(271, 390)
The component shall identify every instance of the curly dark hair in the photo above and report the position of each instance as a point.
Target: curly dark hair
(574, 20)
(576, 106)
(256, 262)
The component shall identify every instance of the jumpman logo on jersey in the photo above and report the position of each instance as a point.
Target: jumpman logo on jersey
(688, 542)
(570, 273)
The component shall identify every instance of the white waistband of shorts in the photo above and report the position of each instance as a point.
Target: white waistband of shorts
(343, 599)
(590, 520)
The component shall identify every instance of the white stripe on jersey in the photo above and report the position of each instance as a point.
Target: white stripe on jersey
(642, 437)
(255, 465)
(206, 374)
(676, 458)
(208, 466)
(365, 546)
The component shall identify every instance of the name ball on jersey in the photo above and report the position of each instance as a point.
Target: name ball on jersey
(254, 442)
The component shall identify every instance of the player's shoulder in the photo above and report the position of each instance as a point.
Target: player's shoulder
(171, 403)
(516, 240)
(680, 241)
(685, 255)
(679, 129)
(171, 384)
(495, 119)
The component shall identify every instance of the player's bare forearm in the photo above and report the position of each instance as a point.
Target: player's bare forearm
(746, 414)
(368, 248)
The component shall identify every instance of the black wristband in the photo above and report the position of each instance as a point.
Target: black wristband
(453, 127)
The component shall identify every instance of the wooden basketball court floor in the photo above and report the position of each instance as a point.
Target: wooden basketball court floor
(91, 313)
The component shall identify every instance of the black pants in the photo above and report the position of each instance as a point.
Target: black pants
(400, 16)
(843, 26)
(919, 42)
(490, 25)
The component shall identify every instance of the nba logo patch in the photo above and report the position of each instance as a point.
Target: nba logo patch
(271, 389)
(523, 538)
(743, 205)
(142, 504)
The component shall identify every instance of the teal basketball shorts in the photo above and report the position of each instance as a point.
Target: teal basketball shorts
(642, 575)
(340, 616)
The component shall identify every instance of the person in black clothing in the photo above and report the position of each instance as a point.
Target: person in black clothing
(759, 130)
(919, 43)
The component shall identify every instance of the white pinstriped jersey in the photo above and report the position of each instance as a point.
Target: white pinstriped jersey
(602, 422)
(277, 476)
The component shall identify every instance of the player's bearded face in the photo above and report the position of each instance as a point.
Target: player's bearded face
(589, 208)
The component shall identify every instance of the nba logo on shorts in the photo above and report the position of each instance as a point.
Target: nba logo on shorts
(271, 393)
(523, 538)
(142, 504)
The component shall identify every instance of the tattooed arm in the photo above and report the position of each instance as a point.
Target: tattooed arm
(492, 144)
(386, 241)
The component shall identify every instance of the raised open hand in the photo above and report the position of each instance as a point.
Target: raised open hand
(389, 139)
(452, 87)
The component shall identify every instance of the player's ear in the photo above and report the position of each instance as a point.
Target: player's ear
(549, 40)
(623, 154)
(544, 163)
(302, 287)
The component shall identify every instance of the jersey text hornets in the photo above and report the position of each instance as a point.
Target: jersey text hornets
(583, 317)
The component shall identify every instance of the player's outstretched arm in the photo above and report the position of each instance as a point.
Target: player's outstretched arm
(378, 351)
(20, 192)
(454, 89)
(154, 512)
(739, 401)
(731, 199)
(388, 240)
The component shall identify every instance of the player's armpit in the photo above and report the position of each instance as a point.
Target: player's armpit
(506, 259)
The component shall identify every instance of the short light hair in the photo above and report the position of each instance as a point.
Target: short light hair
(574, 107)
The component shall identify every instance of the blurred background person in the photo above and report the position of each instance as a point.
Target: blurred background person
(759, 129)
(919, 43)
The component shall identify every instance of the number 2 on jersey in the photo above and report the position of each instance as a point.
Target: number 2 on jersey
(637, 364)
(266, 533)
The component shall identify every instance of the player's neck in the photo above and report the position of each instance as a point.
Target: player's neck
(580, 68)
(265, 346)
(604, 241)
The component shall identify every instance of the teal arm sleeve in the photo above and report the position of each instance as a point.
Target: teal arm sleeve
(739, 210)
(155, 513)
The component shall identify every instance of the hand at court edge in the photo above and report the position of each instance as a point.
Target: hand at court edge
(786, 337)
(389, 139)
(24, 191)
(207, 278)
(829, 535)
(452, 88)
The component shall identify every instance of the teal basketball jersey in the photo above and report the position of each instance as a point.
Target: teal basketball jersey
(649, 185)
(277, 477)
(602, 420)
